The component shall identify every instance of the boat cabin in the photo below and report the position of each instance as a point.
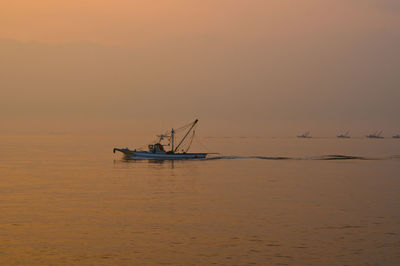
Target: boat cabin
(156, 148)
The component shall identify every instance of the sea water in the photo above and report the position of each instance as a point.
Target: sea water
(67, 199)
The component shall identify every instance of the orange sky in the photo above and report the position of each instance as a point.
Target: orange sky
(127, 21)
(315, 64)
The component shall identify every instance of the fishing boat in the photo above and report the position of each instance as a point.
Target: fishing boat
(157, 150)
(344, 136)
(375, 135)
(306, 135)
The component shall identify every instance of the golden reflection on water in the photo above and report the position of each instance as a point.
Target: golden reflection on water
(69, 200)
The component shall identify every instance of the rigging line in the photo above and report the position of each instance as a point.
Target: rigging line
(187, 133)
(179, 130)
(191, 140)
(167, 133)
(184, 127)
(204, 146)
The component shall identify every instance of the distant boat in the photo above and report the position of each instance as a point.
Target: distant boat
(156, 151)
(396, 136)
(344, 136)
(306, 135)
(376, 135)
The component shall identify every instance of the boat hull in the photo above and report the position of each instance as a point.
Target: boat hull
(145, 155)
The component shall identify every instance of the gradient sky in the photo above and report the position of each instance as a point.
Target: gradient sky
(254, 67)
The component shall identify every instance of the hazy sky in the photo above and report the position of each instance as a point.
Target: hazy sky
(272, 67)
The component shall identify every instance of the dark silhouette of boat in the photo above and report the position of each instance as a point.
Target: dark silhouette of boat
(344, 136)
(375, 135)
(306, 135)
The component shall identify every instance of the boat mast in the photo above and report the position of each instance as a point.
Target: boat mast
(187, 133)
(172, 139)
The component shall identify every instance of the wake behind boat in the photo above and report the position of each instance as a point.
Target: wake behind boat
(157, 151)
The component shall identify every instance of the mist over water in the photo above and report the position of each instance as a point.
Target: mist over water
(271, 68)
(67, 199)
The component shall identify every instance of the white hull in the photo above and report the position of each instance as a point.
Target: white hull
(160, 156)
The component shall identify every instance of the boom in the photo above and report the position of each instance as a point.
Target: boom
(187, 133)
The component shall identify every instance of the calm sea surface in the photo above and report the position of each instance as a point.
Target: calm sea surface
(69, 200)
